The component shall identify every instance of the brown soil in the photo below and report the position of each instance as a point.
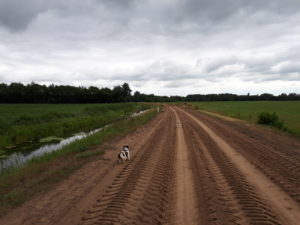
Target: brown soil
(186, 168)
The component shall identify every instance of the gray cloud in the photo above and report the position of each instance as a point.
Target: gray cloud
(16, 15)
(157, 45)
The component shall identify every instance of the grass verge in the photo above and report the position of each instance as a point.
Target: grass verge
(287, 111)
(21, 184)
(20, 123)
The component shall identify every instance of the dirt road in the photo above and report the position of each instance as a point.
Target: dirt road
(186, 168)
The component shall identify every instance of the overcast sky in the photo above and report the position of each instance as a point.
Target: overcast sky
(165, 47)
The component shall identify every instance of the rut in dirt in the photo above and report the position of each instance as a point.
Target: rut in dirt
(185, 209)
(246, 192)
(140, 192)
(185, 175)
(277, 158)
(186, 168)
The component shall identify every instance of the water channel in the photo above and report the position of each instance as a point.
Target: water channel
(17, 159)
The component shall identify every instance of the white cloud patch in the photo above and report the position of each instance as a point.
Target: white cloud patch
(167, 47)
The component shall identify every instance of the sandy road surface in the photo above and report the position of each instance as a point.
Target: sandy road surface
(186, 168)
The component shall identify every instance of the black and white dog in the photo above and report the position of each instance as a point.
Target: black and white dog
(124, 155)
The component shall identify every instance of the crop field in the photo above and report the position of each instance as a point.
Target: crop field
(186, 167)
(288, 111)
(22, 123)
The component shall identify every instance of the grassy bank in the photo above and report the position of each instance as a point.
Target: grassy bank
(21, 184)
(288, 111)
(22, 123)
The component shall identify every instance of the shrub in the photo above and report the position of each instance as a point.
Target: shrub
(270, 119)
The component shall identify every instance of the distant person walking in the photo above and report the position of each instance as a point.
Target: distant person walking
(126, 150)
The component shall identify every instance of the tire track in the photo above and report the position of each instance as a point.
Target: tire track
(186, 174)
(250, 186)
(280, 163)
(155, 208)
(185, 204)
(217, 202)
(140, 191)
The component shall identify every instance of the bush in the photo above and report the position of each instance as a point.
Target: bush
(270, 119)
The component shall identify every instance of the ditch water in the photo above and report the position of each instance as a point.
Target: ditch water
(17, 159)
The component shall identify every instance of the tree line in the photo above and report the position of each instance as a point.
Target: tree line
(248, 97)
(36, 93)
(138, 97)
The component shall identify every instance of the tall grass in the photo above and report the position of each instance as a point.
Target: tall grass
(288, 111)
(21, 123)
(21, 184)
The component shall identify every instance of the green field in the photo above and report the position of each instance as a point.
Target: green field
(38, 175)
(288, 111)
(22, 123)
